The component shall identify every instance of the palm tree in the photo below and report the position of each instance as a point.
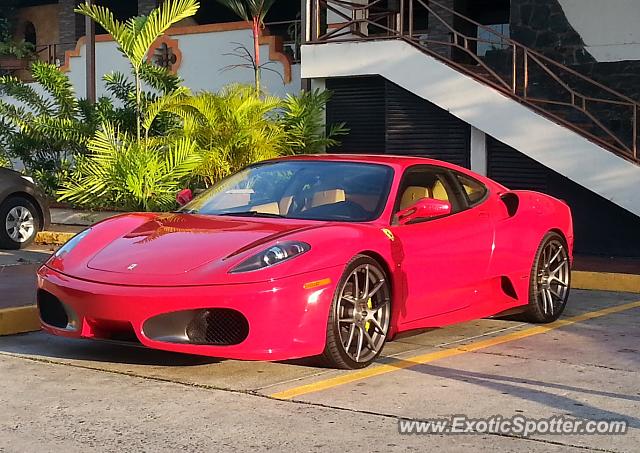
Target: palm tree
(136, 36)
(253, 11)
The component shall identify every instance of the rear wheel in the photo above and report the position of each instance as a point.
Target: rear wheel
(19, 221)
(360, 314)
(550, 280)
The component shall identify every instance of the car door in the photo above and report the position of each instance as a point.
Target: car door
(444, 259)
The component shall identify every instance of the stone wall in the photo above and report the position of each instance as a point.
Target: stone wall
(543, 26)
(70, 28)
(622, 76)
(438, 30)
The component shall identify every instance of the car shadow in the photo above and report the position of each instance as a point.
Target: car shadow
(41, 346)
(541, 392)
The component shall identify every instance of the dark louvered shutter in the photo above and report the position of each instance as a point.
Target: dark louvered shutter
(385, 118)
(513, 169)
(420, 128)
(358, 102)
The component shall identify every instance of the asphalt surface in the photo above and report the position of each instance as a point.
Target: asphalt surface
(74, 395)
(18, 275)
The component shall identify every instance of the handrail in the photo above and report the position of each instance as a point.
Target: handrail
(374, 21)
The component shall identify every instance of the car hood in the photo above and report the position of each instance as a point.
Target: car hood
(172, 244)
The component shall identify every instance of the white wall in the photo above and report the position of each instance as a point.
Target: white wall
(609, 28)
(485, 109)
(205, 63)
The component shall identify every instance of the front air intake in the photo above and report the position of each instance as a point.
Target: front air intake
(51, 310)
(218, 326)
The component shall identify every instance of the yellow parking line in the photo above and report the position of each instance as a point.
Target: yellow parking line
(445, 353)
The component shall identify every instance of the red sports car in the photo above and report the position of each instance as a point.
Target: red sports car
(326, 256)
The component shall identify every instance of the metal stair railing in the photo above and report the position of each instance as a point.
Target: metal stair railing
(564, 95)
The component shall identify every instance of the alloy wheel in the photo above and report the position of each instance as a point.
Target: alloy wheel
(363, 313)
(553, 277)
(20, 224)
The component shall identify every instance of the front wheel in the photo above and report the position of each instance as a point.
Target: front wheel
(360, 314)
(19, 221)
(550, 280)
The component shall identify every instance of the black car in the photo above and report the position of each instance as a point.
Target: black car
(23, 210)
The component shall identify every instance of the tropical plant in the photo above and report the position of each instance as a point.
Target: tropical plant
(45, 125)
(232, 129)
(136, 35)
(303, 118)
(126, 173)
(253, 11)
(19, 49)
(235, 128)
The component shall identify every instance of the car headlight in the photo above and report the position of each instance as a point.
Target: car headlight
(273, 255)
(71, 243)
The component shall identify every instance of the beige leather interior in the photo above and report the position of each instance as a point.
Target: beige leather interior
(415, 193)
(267, 208)
(412, 194)
(327, 197)
(233, 200)
(285, 204)
(439, 192)
(367, 202)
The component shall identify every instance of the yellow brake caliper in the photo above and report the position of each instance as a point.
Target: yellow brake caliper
(369, 306)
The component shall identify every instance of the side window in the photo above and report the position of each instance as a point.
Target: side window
(473, 190)
(419, 183)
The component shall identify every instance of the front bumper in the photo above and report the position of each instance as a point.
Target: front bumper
(285, 319)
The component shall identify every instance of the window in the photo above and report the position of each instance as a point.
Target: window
(30, 33)
(301, 189)
(426, 182)
(473, 190)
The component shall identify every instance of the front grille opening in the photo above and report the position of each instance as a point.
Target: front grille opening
(51, 310)
(120, 331)
(218, 326)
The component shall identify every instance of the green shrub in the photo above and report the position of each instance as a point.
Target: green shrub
(125, 173)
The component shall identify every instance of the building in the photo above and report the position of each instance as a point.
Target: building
(537, 94)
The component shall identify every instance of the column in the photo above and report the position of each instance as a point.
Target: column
(478, 151)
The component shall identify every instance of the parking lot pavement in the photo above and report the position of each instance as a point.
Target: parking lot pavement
(73, 394)
(18, 275)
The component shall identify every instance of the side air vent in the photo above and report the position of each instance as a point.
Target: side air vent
(51, 310)
(507, 287)
(511, 201)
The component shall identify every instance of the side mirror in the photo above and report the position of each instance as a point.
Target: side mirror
(425, 208)
(184, 197)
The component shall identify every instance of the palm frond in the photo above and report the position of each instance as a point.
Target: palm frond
(26, 94)
(58, 85)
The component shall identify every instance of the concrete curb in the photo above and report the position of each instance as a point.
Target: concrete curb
(19, 320)
(605, 281)
(25, 319)
(53, 237)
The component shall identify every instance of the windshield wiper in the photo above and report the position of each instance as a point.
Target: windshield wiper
(252, 214)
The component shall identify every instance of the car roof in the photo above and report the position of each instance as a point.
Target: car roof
(393, 160)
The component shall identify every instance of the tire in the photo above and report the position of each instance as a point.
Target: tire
(550, 280)
(358, 323)
(19, 223)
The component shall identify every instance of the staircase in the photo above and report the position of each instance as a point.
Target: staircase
(559, 117)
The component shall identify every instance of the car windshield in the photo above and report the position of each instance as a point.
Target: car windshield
(301, 189)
